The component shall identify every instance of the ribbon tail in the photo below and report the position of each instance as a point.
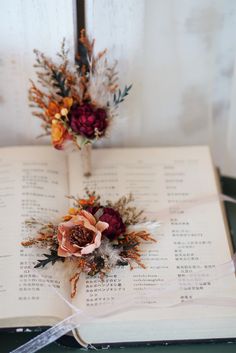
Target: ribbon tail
(50, 335)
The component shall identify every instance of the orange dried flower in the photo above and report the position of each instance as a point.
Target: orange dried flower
(55, 110)
(73, 211)
(67, 102)
(66, 218)
(58, 134)
(87, 202)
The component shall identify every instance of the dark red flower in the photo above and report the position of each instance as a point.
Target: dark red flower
(87, 121)
(113, 218)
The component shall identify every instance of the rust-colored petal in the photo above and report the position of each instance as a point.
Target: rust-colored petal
(67, 245)
(59, 236)
(53, 108)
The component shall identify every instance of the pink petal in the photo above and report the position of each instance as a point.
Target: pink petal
(89, 217)
(67, 245)
(97, 240)
(88, 249)
(81, 220)
(89, 226)
(101, 226)
(63, 253)
(75, 220)
(76, 246)
(77, 254)
(67, 224)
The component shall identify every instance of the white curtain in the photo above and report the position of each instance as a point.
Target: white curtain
(180, 56)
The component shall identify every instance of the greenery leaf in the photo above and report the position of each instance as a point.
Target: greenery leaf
(52, 257)
(59, 82)
(122, 263)
(119, 98)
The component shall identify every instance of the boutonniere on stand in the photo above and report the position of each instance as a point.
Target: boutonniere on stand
(77, 100)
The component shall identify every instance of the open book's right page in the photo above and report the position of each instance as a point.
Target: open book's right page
(177, 187)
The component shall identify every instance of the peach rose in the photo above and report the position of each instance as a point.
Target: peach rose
(80, 235)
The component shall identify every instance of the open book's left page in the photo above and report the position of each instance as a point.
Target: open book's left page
(33, 183)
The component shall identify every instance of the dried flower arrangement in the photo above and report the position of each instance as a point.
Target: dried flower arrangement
(78, 100)
(94, 237)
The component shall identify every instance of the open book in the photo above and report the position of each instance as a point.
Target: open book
(176, 186)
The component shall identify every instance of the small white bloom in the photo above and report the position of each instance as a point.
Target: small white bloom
(64, 112)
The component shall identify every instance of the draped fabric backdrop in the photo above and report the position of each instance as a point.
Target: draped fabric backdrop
(180, 56)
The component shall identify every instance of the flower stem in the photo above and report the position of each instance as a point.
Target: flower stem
(86, 154)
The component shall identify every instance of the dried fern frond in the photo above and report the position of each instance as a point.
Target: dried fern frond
(129, 214)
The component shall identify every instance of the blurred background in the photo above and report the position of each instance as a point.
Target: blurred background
(180, 56)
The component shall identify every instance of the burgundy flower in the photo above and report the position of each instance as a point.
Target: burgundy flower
(87, 121)
(113, 218)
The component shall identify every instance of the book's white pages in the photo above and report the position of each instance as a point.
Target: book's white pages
(176, 186)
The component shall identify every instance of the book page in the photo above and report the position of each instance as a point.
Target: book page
(33, 183)
(177, 187)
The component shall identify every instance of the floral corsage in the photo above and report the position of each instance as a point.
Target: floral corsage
(77, 100)
(94, 237)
